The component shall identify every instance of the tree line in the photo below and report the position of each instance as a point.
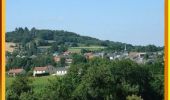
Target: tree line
(61, 37)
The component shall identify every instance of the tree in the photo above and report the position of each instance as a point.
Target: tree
(62, 48)
(27, 96)
(54, 47)
(20, 85)
(84, 51)
(78, 58)
(33, 32)
(102, 79)
(62, 61)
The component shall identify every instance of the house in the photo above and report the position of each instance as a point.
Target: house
(133, 55)
(142, 54)
(69, 60)
(40, 71)
(66, 53)
(137, 56)
(57, 58)
(100, 54)
(61, 71)
(15, 72)
(89, 55)
(111, 58)
(55, 54)
(161, 52)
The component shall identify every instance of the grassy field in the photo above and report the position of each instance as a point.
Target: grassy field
(78, 49)
(38, 82)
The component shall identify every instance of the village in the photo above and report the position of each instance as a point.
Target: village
(138, 57)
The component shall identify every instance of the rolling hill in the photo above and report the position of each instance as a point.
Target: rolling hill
(48, 37)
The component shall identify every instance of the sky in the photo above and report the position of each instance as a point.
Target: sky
(137, 22)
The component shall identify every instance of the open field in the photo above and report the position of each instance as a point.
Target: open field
(78, 49)
(38, 82)
(43, 47)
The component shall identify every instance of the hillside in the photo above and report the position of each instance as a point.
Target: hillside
(48, 37)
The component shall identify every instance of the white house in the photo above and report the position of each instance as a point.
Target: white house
(39, 71)
(111, 58)
(61, 71)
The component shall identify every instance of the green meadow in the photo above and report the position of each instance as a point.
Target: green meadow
(39, 83)
(91, 48)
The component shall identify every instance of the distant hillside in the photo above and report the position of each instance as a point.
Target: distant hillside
(47, 37)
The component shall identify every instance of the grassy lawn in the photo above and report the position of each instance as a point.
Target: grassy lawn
(38, 82)
(43, 47)
(78, 49)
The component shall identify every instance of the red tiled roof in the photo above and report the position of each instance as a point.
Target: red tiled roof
(56, 58)
(16, 71)
(40, 68)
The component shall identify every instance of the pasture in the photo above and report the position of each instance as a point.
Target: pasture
(91, 48)
(39, 83)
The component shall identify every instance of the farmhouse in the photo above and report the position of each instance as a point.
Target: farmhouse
(14, 72)
(69, 60)
(137, 56)
(89, 55)
(66, 53)
(40, 71)
(61, 71)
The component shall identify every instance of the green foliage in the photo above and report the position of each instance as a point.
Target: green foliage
(24, 36)
(17, 62)
(37, 84)
(101, 79)
(27, 96)
(43, 60)
(11, 95)
(84, 51)
(97, 79)
(19, 85)
(62, 48)
(78, 58)
(19, 35)
(54, 47)
(28, 63)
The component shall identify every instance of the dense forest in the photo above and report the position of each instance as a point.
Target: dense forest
(60, 37)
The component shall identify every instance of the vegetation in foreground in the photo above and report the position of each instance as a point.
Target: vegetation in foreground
(37, 82)
(96, 79)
